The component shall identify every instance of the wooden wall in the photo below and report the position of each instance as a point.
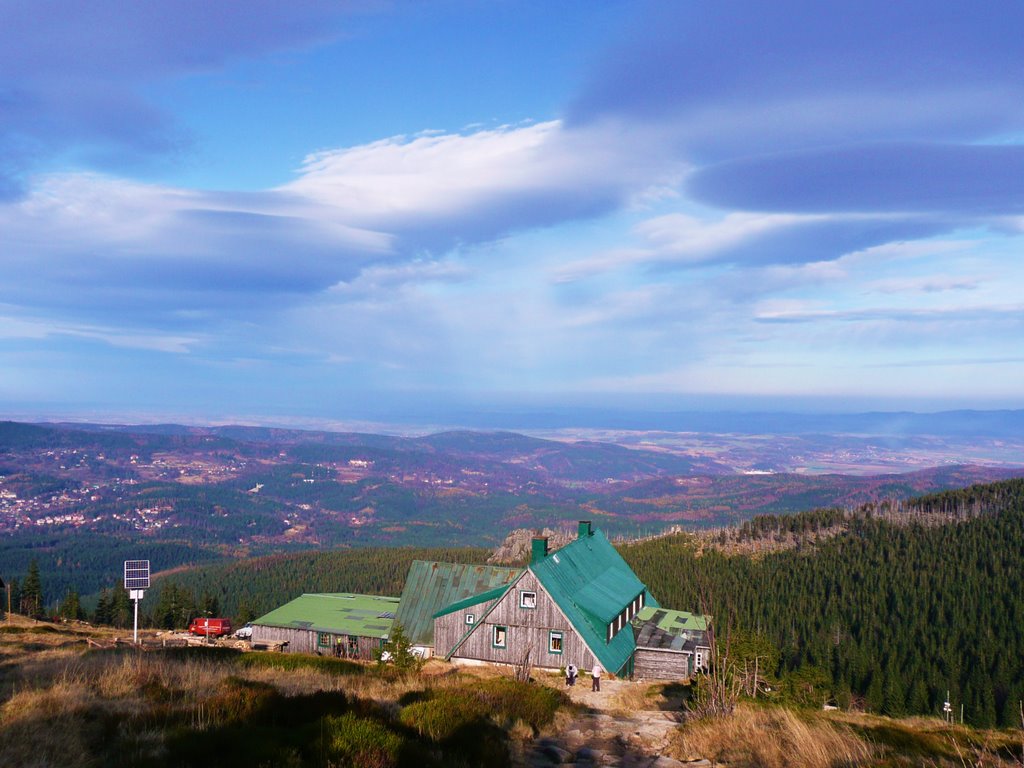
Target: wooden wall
(305, 641)
(527, 628)
(654, 664)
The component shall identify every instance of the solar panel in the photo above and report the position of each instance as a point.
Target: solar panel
(136, 574)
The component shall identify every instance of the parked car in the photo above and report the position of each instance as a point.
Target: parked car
(245, 633)
(210, 627)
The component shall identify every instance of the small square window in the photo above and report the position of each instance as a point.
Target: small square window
(554, 642)
(499, 639)
(470, 618)
(323, 640)
(527, 599)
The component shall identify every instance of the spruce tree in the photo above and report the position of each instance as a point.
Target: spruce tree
(920, 703)
(245, 612)
(70, 606)
(893, 697)
(121, 608)
(209, 605)
(15, 598)
(163, 614)
(103, 615)
(32, 592)
(874, 698)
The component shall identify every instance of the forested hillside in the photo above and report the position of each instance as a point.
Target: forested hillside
(250, 588)
(893, 610)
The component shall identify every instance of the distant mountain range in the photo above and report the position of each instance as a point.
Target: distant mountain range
(956, 423)
(80, 498)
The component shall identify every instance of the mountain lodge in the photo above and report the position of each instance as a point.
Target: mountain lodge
(581, 604)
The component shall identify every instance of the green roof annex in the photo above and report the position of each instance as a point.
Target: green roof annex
(434, 586)
(340, 613)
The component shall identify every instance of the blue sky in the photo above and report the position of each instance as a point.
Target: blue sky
(335, 209)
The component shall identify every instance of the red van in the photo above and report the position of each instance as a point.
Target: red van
(210, 627)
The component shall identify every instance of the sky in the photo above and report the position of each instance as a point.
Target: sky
(236, 211)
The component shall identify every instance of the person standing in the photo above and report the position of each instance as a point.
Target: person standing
(595, 676)
(570, 674)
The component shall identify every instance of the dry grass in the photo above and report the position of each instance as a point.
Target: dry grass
(59, 702)
(773, 738)
(634, 697)
(932, 741)
(42, 726)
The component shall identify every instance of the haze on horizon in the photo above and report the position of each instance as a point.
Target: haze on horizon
(327, 209)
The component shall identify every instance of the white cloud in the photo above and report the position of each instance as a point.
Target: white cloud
(691, 239)
(488, 181)
(15, 328)
(927, 284)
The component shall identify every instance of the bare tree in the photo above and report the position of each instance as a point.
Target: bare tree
(524, 666)
(719, 689)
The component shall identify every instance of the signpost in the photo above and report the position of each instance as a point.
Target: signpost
(136, 581)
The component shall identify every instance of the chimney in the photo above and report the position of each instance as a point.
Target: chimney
(539, 549)
(584, 529)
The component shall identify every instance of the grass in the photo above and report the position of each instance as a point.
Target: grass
(773, 737)
(63, 704)
(353, 740)
(932, 739)
(295, 661)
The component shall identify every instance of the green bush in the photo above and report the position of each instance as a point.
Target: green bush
(511, 700)
(442, 715)
(503, 701)
(350, 740)
(294, 661)
(241, 701)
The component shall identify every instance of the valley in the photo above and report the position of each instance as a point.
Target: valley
(81, 498)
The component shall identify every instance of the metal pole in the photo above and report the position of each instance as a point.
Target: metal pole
(135, 637)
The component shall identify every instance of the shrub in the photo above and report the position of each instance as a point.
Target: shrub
(442, 715)
(241, 701)
(510, 700)
(397, 652)
(443, 712)
(360, 741)
(295, 661)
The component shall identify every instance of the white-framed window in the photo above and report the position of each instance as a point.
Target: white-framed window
(554, 641)
(527, 599)
(499, 637)
(470, 618)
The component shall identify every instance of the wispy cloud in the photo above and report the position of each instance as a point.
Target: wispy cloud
(1012, 313)
(443, 189)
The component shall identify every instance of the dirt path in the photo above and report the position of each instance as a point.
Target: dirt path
(611, 733)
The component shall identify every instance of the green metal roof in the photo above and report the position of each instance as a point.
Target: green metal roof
(433, 586)
(490, 595)
(340, 613)
(672, 621)
(592, 584)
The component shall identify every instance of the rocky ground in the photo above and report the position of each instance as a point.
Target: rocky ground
(607, 732)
